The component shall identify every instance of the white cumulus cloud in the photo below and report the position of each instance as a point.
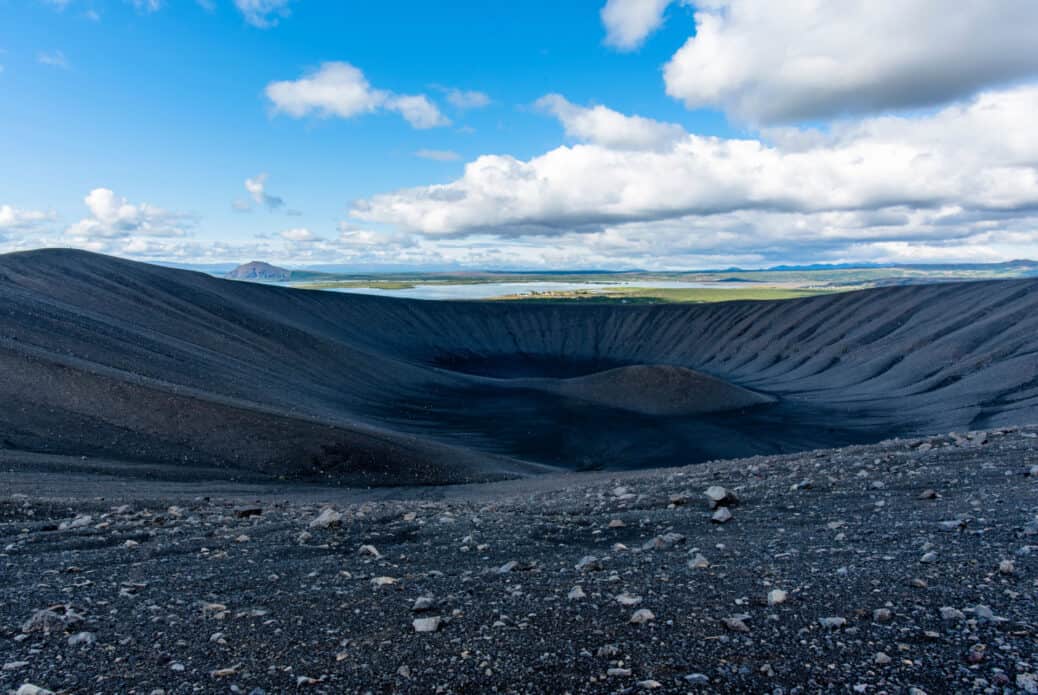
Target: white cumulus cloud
(629, 22)
(417, 110)
(770, 61)
(112, 216)
(464, 99)
(603, 126)
(965, 171)
(338, 89)
(12, 218)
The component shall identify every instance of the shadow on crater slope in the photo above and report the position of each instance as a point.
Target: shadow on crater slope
(103, 357)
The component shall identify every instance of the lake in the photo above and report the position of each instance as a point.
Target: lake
(490, 290)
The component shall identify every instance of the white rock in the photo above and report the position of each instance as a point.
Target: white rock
(57, 618)
(721, 516)
(82, 638)
(667, 540)
(736, 623)
(427, 624)
(698, 562)
(777, 596)
(720, 497)
(422, 603)
(30, 689)
(589, 563)
(79, 522)
(327, 518)
(642, 616)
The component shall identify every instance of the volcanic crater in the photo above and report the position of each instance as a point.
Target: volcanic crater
(118, 361)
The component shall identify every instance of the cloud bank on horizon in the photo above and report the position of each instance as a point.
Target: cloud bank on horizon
(858, 132)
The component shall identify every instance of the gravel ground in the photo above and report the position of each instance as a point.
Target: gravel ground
(904, 567)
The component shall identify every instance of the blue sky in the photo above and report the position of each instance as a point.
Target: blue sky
(175, 97)
(167, 106)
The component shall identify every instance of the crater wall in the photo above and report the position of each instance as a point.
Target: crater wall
(107, 357)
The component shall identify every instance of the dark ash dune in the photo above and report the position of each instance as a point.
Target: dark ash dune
(649, 390)
(104, 357)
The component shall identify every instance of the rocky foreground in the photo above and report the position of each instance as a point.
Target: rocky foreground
(909, 566)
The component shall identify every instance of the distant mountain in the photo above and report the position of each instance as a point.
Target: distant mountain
(258, 270)
(1022, 265)
(829, 266)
